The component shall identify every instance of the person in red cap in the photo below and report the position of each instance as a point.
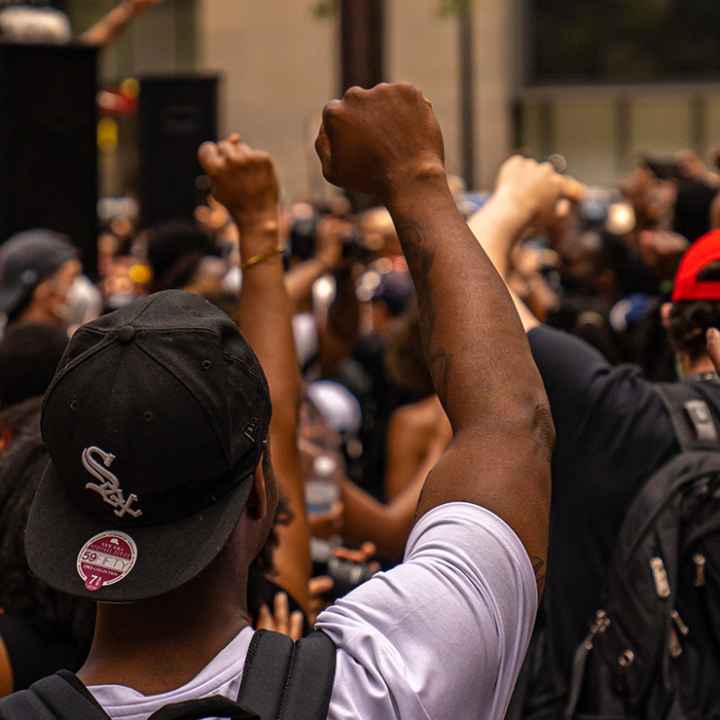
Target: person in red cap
(614, 433)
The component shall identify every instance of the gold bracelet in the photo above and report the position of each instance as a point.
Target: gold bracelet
(257, 259)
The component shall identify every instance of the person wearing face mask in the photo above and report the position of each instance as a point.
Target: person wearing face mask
(38, 270)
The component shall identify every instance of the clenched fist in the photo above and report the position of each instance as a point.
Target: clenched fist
(375, 141)
(243, 179)
(535, 190)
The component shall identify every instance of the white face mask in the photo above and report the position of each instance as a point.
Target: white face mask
(83, 303)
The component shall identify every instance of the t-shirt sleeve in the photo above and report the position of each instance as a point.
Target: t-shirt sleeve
(444, 634)
(597, 408)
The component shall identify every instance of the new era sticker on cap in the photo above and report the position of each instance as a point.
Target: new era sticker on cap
(106, 559)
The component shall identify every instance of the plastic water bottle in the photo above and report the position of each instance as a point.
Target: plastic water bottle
(321, 489)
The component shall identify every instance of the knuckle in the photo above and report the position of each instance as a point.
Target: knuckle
(407, 89)
(354, 93)
(332, 110)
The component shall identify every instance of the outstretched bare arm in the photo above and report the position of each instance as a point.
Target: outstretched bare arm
(386, 142)
(245, 182)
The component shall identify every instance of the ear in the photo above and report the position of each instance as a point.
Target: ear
(258, 502)
(665, 311)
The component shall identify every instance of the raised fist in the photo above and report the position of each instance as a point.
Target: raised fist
(374, 141)
(244, 179)
(536, 190)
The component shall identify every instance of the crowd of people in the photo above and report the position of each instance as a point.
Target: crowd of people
(460, 448)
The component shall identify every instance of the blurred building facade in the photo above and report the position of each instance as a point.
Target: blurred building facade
(281, 61)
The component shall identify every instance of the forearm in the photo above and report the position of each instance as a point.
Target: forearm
(344, 312)
(386, 526)
(482, 369)
(110, 26)
(497, 236)
(497, 233)
(264, 316)
(477, 352)
(341, 331)
(299, 280)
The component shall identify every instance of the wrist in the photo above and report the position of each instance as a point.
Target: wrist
(262, 222)
(513, 208)
(508, 214)
(425, 178)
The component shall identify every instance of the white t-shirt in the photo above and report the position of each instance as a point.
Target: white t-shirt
(441, 636)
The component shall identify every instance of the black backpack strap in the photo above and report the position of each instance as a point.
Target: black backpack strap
(286, 680)
(310, 685)
(691, 417)
(57, 697)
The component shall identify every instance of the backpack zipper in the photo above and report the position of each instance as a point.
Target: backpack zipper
(699, 560)
(679, 623)
(662, 586)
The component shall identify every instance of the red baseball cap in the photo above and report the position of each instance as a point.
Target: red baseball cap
(698, 277)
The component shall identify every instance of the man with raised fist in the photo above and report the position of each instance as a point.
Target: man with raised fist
(173, 401)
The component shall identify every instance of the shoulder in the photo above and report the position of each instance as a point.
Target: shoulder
(443, 634)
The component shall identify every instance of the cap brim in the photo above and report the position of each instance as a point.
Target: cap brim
(168, 556)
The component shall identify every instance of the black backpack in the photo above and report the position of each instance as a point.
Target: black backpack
(653, 651)
(282, 680)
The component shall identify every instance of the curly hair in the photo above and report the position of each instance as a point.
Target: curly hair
(21, 593)
(689, 323)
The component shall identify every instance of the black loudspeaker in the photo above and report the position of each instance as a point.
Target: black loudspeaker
(177, 115)
(48, 146)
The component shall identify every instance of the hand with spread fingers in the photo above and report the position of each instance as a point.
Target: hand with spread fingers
(244, 180)
(375, 141)
(281, 620)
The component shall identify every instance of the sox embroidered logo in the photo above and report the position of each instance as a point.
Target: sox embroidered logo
(109, 488)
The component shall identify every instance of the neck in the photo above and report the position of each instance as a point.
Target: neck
(157, 645)
(38, 314)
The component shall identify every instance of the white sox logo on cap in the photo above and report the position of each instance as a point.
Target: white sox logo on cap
(109, 488)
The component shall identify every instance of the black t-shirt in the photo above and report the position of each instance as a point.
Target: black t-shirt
(613, 433)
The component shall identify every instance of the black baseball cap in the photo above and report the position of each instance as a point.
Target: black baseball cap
(27, 259)
(155, 422)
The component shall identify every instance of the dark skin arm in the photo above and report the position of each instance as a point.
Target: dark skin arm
(386, 142)
(417, 436)
(245, 182)
(341, 332)
(386, 526)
